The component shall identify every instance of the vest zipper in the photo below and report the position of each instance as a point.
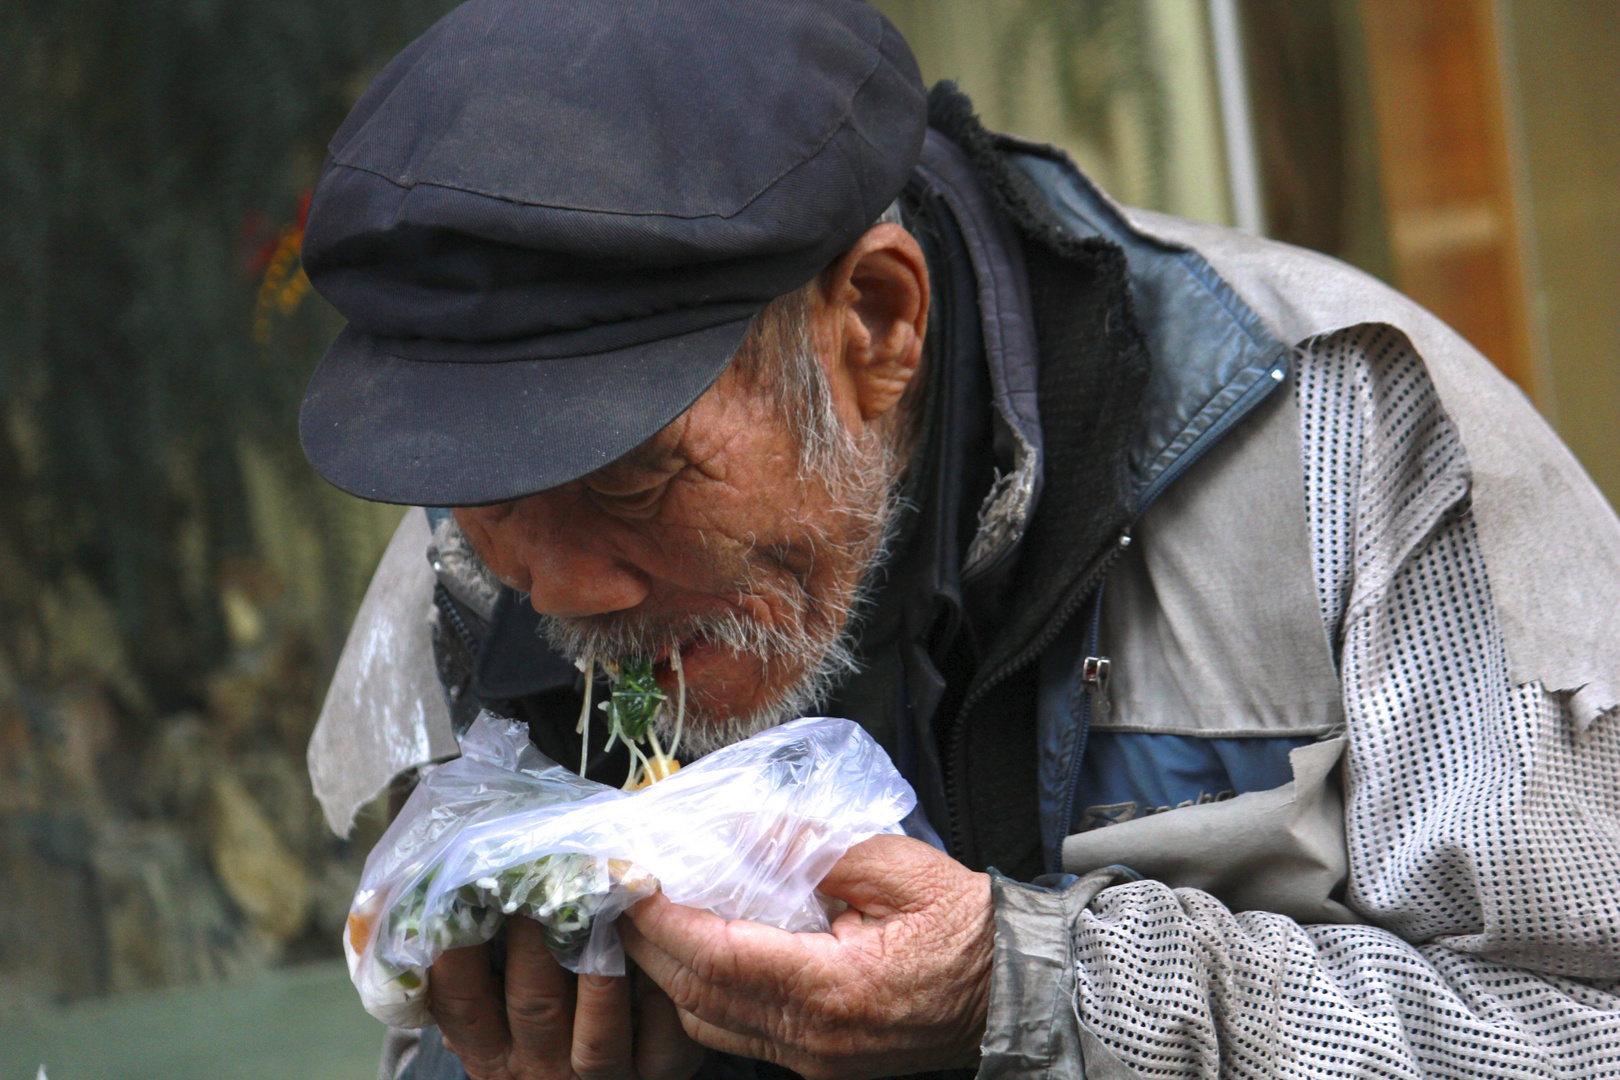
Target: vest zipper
(1054, 862)
(1087, 583)
(458, 625)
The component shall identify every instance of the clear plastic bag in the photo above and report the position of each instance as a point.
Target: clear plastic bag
(746, 833)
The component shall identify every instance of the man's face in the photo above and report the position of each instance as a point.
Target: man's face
(712, 539)
(708, 538)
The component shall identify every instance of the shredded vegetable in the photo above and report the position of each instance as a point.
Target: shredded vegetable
(632, 707)
(561, 892)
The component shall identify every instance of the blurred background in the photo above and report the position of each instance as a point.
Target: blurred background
(175, 583)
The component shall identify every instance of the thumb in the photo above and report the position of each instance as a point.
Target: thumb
(890, 875)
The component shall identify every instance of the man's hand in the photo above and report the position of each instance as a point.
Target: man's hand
(547, 1025)
(900, 985)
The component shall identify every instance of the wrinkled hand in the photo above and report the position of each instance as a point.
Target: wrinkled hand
(544, 1024)
(900, 985)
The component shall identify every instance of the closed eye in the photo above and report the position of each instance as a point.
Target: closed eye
(631, 504)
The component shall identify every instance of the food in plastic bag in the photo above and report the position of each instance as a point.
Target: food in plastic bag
(747, 832)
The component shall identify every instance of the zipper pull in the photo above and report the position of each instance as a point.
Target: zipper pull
(1094, 674)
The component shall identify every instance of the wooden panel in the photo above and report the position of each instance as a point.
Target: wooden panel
(1445, 173)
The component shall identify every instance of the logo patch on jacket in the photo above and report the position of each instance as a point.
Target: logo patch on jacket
(1096, 817)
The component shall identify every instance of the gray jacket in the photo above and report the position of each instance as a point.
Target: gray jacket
(1399, 565)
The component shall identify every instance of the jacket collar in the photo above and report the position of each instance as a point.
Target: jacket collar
(1007, 336)
(1212, 358)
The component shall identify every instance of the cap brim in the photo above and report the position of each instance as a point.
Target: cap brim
(468, 433)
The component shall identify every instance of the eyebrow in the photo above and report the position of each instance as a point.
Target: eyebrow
(642, 458)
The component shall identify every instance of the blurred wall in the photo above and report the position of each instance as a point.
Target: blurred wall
(1563, 80)
(174, 580)
(1125, 86)
(1310, 90)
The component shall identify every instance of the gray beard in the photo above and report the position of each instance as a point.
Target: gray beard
(827, 662)
(821, 641)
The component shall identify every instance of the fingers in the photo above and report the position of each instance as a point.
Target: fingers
(547, 1025)
(727, 1042)
(648, 954)
(465, 1001)
(539, 1003)
(664, 1051)
(713, 950)
(899, 986)
(890, 875)
(675, 981)
(603, 1035)
(606, 1048)
(732, 977)
(761, 1048)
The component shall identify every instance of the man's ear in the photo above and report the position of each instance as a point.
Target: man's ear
(875, 312)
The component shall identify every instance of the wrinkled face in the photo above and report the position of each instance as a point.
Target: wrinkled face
(714, 540)
(737, 539)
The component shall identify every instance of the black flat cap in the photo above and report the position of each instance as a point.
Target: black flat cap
(549, 223)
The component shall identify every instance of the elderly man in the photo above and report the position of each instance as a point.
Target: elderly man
(1237, 612)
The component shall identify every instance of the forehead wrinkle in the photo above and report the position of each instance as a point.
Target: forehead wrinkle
(743, 417)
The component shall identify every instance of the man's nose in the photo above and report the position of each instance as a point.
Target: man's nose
(568, 554)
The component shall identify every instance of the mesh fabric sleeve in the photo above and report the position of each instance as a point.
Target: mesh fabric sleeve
(1483, 823)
